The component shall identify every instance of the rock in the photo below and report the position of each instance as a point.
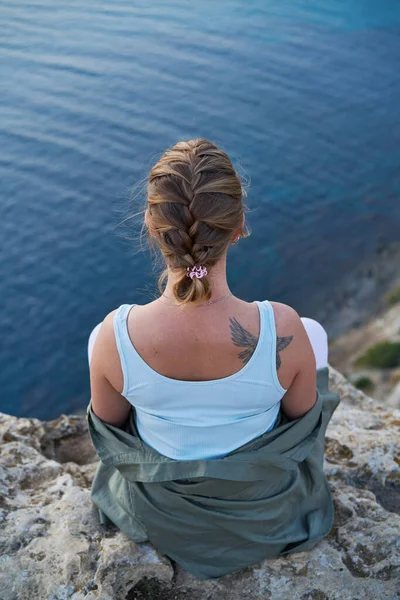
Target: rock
(362, 444)
(53, 548)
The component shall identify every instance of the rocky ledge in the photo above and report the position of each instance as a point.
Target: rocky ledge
(52, 547)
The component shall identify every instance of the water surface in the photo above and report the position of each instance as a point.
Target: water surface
(304, 96)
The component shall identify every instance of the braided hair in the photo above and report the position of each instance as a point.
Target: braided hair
(194, 206)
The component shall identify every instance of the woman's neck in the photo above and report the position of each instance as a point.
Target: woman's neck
(217, 276)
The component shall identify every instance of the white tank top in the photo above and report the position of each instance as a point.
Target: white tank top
(190, 420)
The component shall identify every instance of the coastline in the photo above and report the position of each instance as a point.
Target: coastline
(362, 292)
(368, 321)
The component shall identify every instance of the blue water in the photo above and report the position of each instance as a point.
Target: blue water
(304, 96)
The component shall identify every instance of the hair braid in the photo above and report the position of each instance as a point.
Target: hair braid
(195, 203)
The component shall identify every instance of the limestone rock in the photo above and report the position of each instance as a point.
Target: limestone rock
(53, 548)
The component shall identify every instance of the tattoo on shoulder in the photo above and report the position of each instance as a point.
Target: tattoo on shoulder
(242, 338)
(281, 344)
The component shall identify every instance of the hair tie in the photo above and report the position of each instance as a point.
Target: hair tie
(196, 271)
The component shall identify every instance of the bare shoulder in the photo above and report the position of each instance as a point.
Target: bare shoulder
(105, 358)
(106, 377)
(287, 320)
(293, 348)
(295, 361)
(105, 340)
(107, 327)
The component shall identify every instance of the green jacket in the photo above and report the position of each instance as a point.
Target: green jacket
(267, 498)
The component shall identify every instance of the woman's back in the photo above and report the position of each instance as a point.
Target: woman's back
(204, 380)
(200, 393)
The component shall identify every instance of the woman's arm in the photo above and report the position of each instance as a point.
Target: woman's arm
(106, 378)
(296, 365)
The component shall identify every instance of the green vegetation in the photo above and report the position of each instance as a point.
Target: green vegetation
(364, 384)
(383, 355)
(393, 297)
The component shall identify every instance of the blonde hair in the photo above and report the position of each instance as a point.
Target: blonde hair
(194, 206)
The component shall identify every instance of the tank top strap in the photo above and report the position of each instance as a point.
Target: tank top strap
(123, 340)
(268, 314)
(271, 335)
(122, 312)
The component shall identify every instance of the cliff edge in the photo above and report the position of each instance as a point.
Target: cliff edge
(53, 548)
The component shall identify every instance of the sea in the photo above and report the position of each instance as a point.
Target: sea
(305, 98)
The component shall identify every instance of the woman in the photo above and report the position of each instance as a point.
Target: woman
(211, 401)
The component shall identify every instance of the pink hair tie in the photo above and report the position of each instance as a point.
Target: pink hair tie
(195, 271)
